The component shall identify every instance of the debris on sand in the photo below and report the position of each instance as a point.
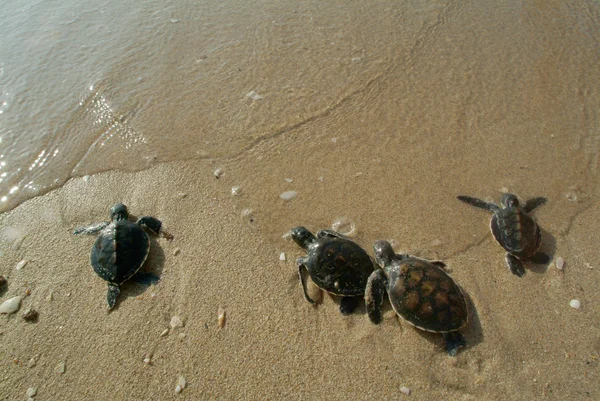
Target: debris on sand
(288, 195)
(11, 305)
(221, 317)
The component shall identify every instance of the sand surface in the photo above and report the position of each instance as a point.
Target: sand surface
(472, 104)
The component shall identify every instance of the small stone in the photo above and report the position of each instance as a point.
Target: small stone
(321, 178)
(221, 317)
(575, 304)
(334, 140)
(174, 21)
(181, 336)
(282, 256)
(176, 322)
(218, 173)
(32, 362)
(560, 263)
(246, 212)
(31, 392)
(405, 390)
(50, 296)
(181, 195)
(182, 382)
(11, 305)
(356, 59)
(148, 359)
(30, 315)
(288, 195)
(178, 389)
(253, 95)
(60, 368)
(21, 264)
(164, 332)
(176, 251)
(289, 180)
(86, 178)
(236, 191)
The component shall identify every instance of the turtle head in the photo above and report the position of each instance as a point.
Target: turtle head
(509, 200)
(384, 253)
(119, 212)
(302, 236)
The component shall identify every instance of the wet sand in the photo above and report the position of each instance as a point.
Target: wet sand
(472, 104)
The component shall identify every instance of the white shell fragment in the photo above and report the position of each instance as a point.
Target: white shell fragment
(253, 95)
(560, 263)
(288, 195)
(289, 180)
(218, 173)
(21, 264)
(178, 389)
(11, 305)
(575, 304)
(405, 390)
(164, 332)
(148, 359)
(221, 317)
(236, 191)
(60, 368)
(31, 392)
(282, 256)
(176, 322)
(181, 383)
(176, 251)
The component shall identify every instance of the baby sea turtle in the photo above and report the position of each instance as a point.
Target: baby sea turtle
(121, 249)
(514, 229)
(420, 292)
(335, 264)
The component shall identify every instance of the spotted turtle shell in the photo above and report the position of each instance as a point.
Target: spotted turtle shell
(516, 232)
(120, 251)
(339, 266)
(426, 296)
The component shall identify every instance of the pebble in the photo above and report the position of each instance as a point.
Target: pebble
(176, 322)
(164, 332)
(30, 315)
(289, 180)
(181, 336)
(21, 264)
(60, 368)
(560, 263)
(86, 178)
(181, 383)
(321, 178)
(221, 317)
(405, 390)
(148, 359)
(174, 21)
(32, 362)
(334, 140)
(31, 392)
(11, 305)
(288, 195)
(181, 195)
(236, 191)
(575, 304)
(176, 251)
(246, 212)
(218, 173)
(253, 95)
(282, 256)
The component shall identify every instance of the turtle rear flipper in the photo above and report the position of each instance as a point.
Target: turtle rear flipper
(515, 265)
(348, 304)
(302, 273)
(454, 340)
(374, 295)
(111, 296)
(490, 207)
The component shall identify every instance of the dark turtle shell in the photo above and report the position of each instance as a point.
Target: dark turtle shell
(339, 266)
(426, 296)
(120, 251)
(516, 232)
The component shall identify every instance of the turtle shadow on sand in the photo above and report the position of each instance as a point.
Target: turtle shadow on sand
(540, 262)
(150, 272)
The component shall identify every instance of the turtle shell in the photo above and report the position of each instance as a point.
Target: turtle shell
(120, 251)
(516, 232)
(426, 296)
(339, 266)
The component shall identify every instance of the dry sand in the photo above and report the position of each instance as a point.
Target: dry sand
(469, 117)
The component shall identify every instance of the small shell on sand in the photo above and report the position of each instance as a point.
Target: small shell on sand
(31, 392)
(148, 359)
(282, 256)
(21, 264)
(575, 304)
(288, 195)
(289, 180)
(164, 332)
(11, 305)
(60, 368)
(176, 251)
(221, 317)
(236, 191)
(560, 263)
(181, 383)
(218, 173)
(405, 390)
(176, 322)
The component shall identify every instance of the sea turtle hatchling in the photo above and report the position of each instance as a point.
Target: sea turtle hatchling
(514, 229)
(121, 249)
(335, 264)
(420, 292)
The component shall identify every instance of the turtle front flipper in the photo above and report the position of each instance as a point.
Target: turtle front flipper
(534, 203)
(302, 273)
(376, 286)
(111, 296)
(515, 265)
(454, 340)
(490, 207)
(93, 229)
(348, 304)
(154, 225)
(330, 233)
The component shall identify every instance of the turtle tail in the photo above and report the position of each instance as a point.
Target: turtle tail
(111, 296)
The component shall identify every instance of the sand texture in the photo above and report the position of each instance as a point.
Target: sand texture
(463, 103)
